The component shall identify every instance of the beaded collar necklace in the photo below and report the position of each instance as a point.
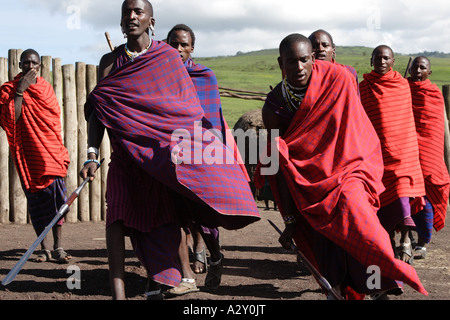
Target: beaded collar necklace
(292, 95)
(134, 55)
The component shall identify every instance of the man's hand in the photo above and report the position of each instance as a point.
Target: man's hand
(89, 171)
(27, 80)
(286, 236)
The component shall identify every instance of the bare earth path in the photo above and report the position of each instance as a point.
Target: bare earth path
(256, 268)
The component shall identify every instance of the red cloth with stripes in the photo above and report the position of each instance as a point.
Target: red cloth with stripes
(35, 140)
(429, 111)
(387, 101)
(331, 159)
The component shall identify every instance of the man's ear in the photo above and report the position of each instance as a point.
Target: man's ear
(280, 63)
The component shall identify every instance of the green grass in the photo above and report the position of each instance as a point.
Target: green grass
(257, 71)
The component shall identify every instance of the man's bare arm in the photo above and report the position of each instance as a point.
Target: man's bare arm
(96, 129)
(273, 121)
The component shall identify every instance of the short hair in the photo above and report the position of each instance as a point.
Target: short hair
(383, 46)
(28, 52)
(182, 27)
(287, 42)
(423, 57)
(326, 33)
(147, 2)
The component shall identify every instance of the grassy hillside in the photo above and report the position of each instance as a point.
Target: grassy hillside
(257, 71)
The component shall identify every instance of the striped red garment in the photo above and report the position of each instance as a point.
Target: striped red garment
(387, 101)
(429, 112)
(35, 140)
(332, 162)
(142, 103)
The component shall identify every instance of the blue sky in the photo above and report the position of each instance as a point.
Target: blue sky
(73, 30)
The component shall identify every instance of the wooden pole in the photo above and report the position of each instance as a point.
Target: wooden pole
(46, 68)
(446, 94)
(58, 88)
(71, 141)
(95, 186)
(4, 156)
(18, 202)
(83, 202)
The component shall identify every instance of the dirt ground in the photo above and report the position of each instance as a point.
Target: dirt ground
(256, 267)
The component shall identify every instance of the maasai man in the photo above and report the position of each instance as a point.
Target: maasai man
(30, 115)
(386, 97)
(429, 112)
(150, 108)
(324, 49)
(182, 38)
(328, 185)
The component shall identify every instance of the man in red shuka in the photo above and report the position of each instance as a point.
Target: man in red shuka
(30, 116)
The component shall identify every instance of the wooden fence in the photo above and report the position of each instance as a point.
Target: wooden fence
(72, 84)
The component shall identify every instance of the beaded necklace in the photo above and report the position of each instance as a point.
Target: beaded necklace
(134, 55)
(293, 96)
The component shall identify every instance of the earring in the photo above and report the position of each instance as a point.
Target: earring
(152, 29)
(124, 35)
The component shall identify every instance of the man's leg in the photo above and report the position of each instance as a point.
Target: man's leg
(115, 244)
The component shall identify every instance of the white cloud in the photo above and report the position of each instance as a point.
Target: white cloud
(225, 27)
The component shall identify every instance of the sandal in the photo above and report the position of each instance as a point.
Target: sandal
(200, 257)
(43, 256)
(186, 286)
(214, 276)
(420, 252)
(61, 256)
(406, 253)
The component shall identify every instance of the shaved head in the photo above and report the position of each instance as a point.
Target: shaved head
(381, 48)
(147, 3)
(292, 39)
(28, 52)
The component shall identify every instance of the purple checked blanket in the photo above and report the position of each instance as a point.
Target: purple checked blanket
(151, 107)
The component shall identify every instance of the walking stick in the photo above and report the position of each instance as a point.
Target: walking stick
(61, 213)
(407, 67)
(108, 39)
(320, 279)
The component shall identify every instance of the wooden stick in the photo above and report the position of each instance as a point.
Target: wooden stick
(319, 278)
(408, 66)
(109, 41)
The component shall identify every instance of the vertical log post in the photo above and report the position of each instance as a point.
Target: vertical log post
(95, 186)
(70, 134)
(4, 157)
(18, 202)
(46, 68)
(83, 199)
(58, 88)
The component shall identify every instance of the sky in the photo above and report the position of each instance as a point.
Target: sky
(74, 30)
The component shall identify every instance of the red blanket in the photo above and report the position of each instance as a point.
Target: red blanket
(387, 101)
(429, 111)
(35, 140)
(331, 159)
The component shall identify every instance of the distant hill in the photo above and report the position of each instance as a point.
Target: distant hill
(259, 70)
